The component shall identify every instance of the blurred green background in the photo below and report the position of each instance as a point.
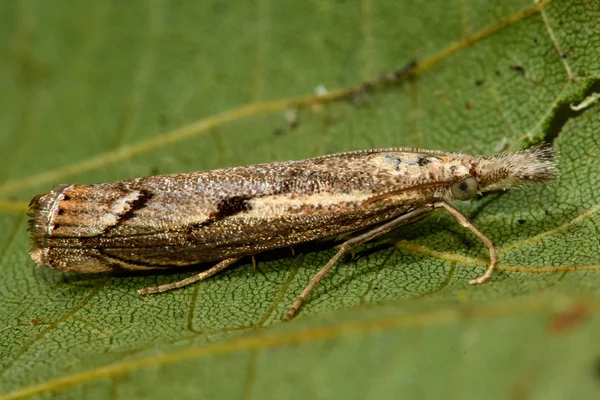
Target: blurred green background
(105, 90)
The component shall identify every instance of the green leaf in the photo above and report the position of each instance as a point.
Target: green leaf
(98, 91)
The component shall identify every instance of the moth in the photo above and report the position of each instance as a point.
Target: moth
(172, 221)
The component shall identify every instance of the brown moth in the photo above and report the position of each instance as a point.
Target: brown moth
(170, 221)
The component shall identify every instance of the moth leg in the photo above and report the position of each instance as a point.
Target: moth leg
(195, 278)
(466, 223)
(352, 243)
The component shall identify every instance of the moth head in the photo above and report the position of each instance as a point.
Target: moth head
(536, 164)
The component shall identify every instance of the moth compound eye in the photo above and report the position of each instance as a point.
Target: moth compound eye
(465, 189)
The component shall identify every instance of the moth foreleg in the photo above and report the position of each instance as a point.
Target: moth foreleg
(195, 278)
(350, 244)
(466, 223)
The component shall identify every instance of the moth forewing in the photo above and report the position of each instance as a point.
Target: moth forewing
(164, 222)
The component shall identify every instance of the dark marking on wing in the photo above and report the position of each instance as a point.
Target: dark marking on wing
(304, 182)
(231, 206)
(137, 204)
(225, 208)
(473, 170)
(290, 183)
(423, 161)
(396, 162)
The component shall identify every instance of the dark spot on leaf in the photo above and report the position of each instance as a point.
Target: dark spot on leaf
(479, 82)
(521, 221)
(163, 121)
(517, 68)
(569, 319)
(398, 73)
(367, 86)
(293, 124)
(597, 368)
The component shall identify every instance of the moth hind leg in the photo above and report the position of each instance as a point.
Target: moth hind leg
(192, 279)
(349, 245)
